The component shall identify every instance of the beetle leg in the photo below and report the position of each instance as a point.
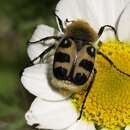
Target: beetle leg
(44, 53)
(59, 21)
(87, 92)
(45, 39)
(111, 62)
(109, 26)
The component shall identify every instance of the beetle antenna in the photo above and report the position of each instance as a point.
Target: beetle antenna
(59, 21)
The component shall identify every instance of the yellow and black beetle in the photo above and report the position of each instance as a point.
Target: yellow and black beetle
(74, 57)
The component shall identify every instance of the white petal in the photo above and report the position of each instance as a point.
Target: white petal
(96, 12)
(127, 127)
(82, 125)
(34, 79)
(34, 50)
(105, 129)
(75, 9)
(124, 25)
(51, 115)
(41, 31)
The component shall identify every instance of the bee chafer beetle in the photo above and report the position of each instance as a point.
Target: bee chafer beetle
(74, 58)
(74, 52)
(74, 55)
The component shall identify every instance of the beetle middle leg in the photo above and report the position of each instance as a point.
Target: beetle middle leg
(111, 62)
(44, 53)
(103, 55)
(87, 92)
(52, 46)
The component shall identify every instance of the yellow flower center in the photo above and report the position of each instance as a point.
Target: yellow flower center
(108, 103)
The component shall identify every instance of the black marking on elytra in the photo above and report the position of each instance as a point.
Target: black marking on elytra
(87, 65)
(91, 51)
(61, 57)
(60, 73)
(80, 79)
(65, 43)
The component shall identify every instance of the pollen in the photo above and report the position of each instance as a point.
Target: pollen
(108, 102)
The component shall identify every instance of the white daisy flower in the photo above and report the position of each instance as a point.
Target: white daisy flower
(107, 105)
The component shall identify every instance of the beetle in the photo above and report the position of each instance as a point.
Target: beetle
(73, 65)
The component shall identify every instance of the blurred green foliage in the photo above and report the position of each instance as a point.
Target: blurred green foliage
(18, 19)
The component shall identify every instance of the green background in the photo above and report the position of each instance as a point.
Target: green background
(18, 20)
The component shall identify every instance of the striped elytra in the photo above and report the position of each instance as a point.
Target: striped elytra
(73, 65)
(61, 57)
(75, 55)
(86, 65)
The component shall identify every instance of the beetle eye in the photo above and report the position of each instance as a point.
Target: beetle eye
(91, 51)
(80, 79)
